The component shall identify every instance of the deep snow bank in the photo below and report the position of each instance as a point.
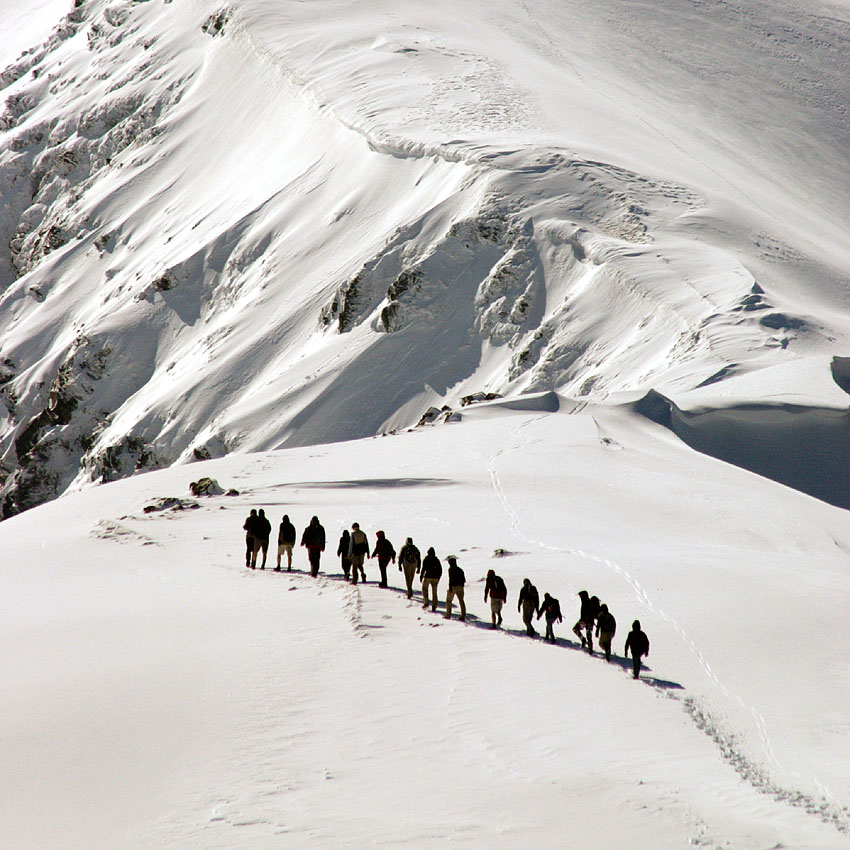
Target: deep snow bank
(802, 446)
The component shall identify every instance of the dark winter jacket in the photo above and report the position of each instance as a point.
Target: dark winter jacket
(589, 610)
(359, 542)
(286, 533)
(551, 608)
(456, 576)
(606, 623)
(410, 554)
(528, 593)
(262, 527)
(250, 523)
(314, 536)
(495, 588)
(344, 545)
(639, 643)
(383, 550)
(431, 566)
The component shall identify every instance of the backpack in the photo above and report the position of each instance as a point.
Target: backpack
(500, 591)
(359, 546)
(411, 555)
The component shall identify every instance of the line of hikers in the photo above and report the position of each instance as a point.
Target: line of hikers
(353, 550)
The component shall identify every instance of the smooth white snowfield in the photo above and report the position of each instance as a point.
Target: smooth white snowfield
(231, 225)
(157, 694)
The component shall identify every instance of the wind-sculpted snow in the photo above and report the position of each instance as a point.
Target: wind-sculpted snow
(803, 447)
(271, 228)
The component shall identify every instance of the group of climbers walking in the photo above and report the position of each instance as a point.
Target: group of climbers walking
(594, 617)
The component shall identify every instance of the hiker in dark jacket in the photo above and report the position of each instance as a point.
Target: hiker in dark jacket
(343, 551)
(529, 603)
(606, 628)
(358, 553)
(262, 531)
(385, 553)
(432, 569)
(410, 561)
(587, 617)
(551, 609)
(638, 642)
(248, 527)
(313, 539)
(285, 541)
(457, 580)
(495, 588)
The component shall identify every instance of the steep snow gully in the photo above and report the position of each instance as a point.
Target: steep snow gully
(229, 227)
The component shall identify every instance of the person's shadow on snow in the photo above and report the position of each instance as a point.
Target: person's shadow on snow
(474, 621)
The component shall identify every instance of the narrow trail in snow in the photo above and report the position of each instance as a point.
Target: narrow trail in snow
(827, 809)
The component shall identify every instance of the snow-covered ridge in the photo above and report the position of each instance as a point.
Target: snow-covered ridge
(252, 226)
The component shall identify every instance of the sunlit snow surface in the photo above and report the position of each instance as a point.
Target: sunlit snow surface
(158, 694)
(275, 226)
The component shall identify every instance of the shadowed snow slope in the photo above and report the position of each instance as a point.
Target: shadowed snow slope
(159, 695)
(807, 448)
(265, 225)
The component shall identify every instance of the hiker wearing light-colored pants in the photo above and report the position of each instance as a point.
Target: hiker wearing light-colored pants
(431, 572)
(450, 595)
(432, 584)
(409, 574)
(409, 560)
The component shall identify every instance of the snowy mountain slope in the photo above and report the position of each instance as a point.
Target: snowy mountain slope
(243, 227)
(165, 696)
(26, 26)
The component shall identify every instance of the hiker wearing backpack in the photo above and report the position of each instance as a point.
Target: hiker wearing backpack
(529, 603)
(409, 560)
(313, 539)
(342, 550)
(551, 609)
(359, 552)
(606, 628)
(587, 617)
(638, 642)
(262, 530)
(385, 553)
(495, 588)
(285, 542)
(457, 580)
(432, 569)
